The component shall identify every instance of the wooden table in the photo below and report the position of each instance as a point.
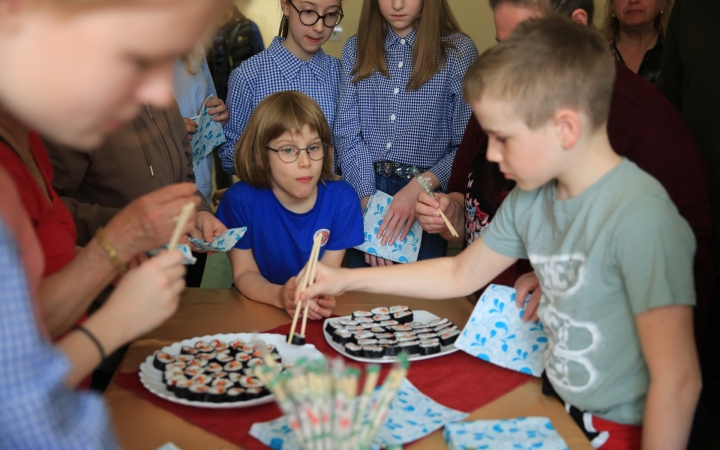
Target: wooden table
(141, 425)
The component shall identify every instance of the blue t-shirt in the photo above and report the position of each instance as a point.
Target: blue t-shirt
(281, 240)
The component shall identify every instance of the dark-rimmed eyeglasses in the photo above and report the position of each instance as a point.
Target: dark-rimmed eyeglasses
(291, 153)
(308, 17)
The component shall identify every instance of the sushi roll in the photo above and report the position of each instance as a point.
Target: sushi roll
(175, 365)
(250, 382)
(430, 341)
(406, 338)
(235, 377)
(364, 342)
(190, 372)
(348, 323)
(235, 394)
(389, 346)
(377, 330)
(206, 356)
(184, 358)
(243, 358)
(384, 336)
(356, 329)
(398, 308)
(414, 325)
(197, 392)
(409, 347)
(253, 393)
(224, 358)
(398, 334)
(297, 339)
(202, 379)
(342, 337)
(363, 335)
(429, 348)
(437, 322)
(331, 326)
(449, 336)
(219, 375)
(353, 349)
(213, 368)
(380, 317)
(404, 327)
(368, 325)
(423, 336)
(169, 373)
(199, 363)
(388, 323)
(373, 351)
(236, 345)
(255, 362)
(172, 381)
(203, 347)
(403, 317)
(361, 320)
(363, 314)
(187, 350)
(233, 366)
(218, 344)
(182, 387)
(444, 326)
(382, 310)
(216, 394)
(162, 359)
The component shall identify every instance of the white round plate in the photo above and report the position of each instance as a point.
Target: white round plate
(418, 316)
(151, 378)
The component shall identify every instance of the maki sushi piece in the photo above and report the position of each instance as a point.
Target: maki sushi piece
(219, 375)
(187, 350)
(353, 349)
(331, 326)
(243, 358)
(255, 362)
(362, 320)
(169, 373)
(182, 388)
(384, 336)
(190, 372)
(184, 358)
(171, 381)
(162, 359)
(423, 336)
(213, 368)
(437, 322)
(348, 323)
(206, 356)
(364, 342)
(224, 358)
(199, 363)
(342, 336)
(429, 348)
(363, 335)
(389, 346)
(203, 347)
(377, 330)
(373, 351)
(175, 365)
(403, 316)
(398, 308)
(202, 379)
(402, 334)
(355, 329)
(406, 338)
(197, 392)
(219, 345)
(449, 337)
(409, 347)
(216, 394)
(363, 314)
(380, 311)
(388, 323)
(235, 377)
(233, 366)
(297, 339)
(404, 327)
(236, 345)
(380, 317)
(253, 393)
(414, 325)
(444, 326)
(250, 382)
(235, 394)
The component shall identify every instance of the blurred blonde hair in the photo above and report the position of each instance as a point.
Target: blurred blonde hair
(545, 65)
(284, 111)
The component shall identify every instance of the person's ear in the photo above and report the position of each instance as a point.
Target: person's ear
(283, 6)
(568, 127)
(580, 16)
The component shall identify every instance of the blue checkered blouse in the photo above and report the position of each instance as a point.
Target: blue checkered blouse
(270, 71)
(378, 119)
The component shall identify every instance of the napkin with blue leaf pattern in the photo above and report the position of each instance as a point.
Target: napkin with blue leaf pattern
(412, 415)
(222, 243)
(496, 333)
(529, 433)
(208, 136)
(404, 251)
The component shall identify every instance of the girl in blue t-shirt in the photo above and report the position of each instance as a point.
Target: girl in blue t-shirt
(400, 106)
(293, 61)
(288, 194)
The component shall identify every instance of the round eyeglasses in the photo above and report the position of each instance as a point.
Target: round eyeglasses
(308, 17)
(291, 153)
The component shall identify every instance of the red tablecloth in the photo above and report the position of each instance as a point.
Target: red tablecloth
(458, 381)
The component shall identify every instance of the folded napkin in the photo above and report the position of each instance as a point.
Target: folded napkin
(496, 333)
(188, 258)
(412, 415)
(208, 136)
(222, 243)
(401, 251)
(531, 433)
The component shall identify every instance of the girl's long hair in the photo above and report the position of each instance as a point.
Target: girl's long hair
(430, 49)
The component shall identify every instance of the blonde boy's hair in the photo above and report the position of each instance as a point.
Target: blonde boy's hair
(546, 64)
(279, 113)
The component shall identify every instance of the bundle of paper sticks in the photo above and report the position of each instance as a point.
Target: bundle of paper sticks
(322, 404)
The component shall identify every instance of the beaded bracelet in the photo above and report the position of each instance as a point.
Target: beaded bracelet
(94, 339)
(110, 251)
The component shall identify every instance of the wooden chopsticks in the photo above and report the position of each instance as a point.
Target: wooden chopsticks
(180, 225)
(307, 280)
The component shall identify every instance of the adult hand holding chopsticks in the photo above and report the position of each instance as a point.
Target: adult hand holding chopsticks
(318, 308)
(428, 210)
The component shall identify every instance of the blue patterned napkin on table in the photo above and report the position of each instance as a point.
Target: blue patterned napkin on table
(529, 433)
(188, 258)
(208, 136)
(222, 243)
(496, 333)
(404, 251)
(412, 415)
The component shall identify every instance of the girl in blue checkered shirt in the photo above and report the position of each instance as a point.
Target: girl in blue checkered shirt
(401, 105)
(293, 62)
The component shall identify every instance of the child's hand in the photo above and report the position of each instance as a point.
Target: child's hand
(525, 284)
(287, 296)
(327, 284)
(326, 303)
(206, 227)
(376, 261)
(400, 215)
(426, 209)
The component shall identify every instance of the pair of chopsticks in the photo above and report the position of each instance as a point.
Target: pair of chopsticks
(180, 224)
(307, 280)
(416, 174)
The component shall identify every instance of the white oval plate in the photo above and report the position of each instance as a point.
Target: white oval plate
(418, 316)
(151, 378)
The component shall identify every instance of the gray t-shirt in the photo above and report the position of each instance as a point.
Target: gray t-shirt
(614, 251)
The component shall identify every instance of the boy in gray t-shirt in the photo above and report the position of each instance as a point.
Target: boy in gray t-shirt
(612, 254)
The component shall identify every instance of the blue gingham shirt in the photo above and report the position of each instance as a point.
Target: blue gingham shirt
(270, 71)
(378, 119)
(37, 411)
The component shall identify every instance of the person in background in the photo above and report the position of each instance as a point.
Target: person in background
(400, 107)
(103, 87)
(636, 29)
(294, 61)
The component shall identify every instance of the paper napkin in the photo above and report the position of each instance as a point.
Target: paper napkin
(222, 243)
(208, 136)
(412, 415)
(529, 433)
(402, 251)
(496, 333)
